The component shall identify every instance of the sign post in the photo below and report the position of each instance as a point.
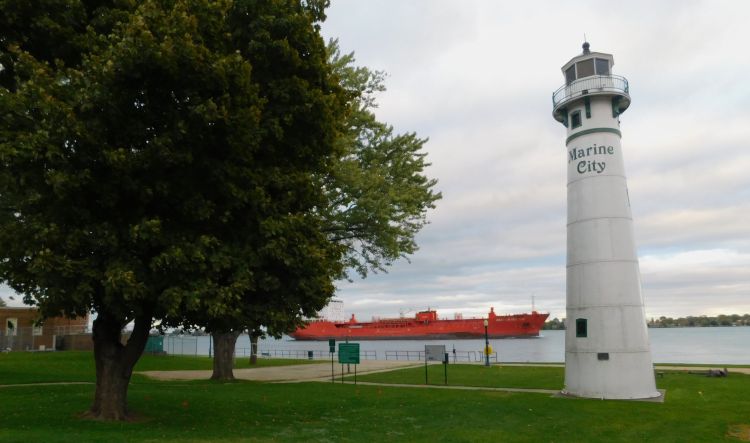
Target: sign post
(445, 368)
(434, 353)
(332, 350)
(349, 354)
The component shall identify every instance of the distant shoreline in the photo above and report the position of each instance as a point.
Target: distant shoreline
(671, 327)
(703, 321)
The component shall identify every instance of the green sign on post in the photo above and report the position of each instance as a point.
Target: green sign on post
(349, 353)
(331, 345)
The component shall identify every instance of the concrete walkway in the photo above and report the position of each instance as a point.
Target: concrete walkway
(293, 373)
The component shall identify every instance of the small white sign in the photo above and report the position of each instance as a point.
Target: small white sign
(434, 352)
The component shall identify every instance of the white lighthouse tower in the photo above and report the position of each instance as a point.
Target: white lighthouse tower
(607, 352)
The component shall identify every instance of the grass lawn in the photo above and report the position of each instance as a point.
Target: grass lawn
(697, 409)
(538, 377)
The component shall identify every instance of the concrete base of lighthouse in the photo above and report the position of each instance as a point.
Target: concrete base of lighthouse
(615, 365)
(588, 377)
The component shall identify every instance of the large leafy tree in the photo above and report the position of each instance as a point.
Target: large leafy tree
(377, 198)
(163, 156)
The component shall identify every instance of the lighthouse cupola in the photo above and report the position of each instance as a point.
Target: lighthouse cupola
(589, 75)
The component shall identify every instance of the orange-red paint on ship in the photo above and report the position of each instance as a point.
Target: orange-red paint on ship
(425, 325)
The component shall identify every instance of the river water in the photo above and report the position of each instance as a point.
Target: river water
(718, 345)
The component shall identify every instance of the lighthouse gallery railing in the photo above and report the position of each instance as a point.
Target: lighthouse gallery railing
(590, 85)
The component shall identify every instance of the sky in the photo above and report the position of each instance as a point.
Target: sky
(476, 78)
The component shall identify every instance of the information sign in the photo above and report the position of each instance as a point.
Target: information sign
(434, 352)
(349, 353)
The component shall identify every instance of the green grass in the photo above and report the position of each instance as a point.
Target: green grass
(697, 409)
(71, 366)
(532, 377)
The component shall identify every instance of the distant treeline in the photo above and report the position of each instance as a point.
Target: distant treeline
(682, 322)
(702, 321)
(554, 324)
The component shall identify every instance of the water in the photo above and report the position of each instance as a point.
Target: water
(729, 345)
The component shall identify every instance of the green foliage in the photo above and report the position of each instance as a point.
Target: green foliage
(555, 324)
(378, 193)
(159, 157)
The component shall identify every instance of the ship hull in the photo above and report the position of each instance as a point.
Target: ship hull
(510, 326)
(411, 337)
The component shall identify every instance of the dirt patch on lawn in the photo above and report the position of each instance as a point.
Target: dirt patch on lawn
(740, 432)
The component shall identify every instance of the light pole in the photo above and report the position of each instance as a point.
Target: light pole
(486, 344)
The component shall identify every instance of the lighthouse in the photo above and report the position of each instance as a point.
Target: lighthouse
(607, 352)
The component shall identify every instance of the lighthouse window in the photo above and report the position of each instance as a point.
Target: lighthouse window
(581, 328)
(602, 66)
(575, 119)
(570, 75)
(585, 68)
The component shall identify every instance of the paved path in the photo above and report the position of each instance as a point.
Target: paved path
(293, 373)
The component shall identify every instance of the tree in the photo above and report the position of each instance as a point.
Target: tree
(162, 156)
(377, 199)
(2, 302)
(554, 324)
(378, 193)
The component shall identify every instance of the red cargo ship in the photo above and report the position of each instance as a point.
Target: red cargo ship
(425, 325)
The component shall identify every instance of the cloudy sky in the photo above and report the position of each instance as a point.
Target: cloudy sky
(476, 77)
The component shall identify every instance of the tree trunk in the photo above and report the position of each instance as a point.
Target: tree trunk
(224, 343)
(253, 348)
(114, 365)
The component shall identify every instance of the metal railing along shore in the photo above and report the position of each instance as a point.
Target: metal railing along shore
(454, 356)
(187, 345)
(300, 354)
